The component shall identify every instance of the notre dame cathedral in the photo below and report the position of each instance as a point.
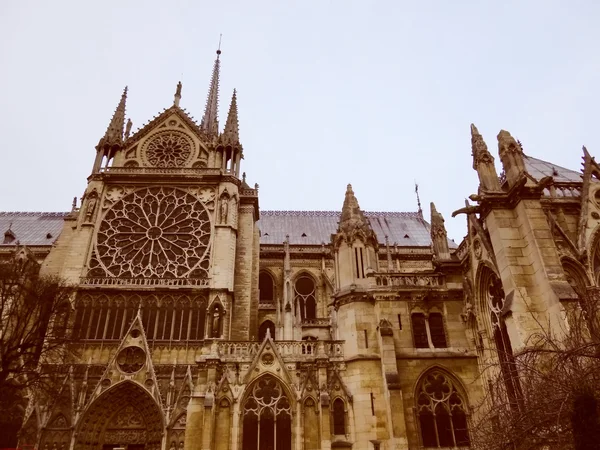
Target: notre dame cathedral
(201, 321)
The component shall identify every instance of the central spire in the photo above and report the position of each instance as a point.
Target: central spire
(210, 122)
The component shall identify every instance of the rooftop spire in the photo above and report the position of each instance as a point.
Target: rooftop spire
(210, 123)
(231, 133)
(114, 132)
(483, 162)
(439, 238)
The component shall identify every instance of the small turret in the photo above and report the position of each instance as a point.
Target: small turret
(112, 141)
(229, 148)
(439, 237)
(483, 162)
(511, 155)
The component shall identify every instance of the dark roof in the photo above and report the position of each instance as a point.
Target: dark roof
(407, 229)
(539, 169)
(31, 228)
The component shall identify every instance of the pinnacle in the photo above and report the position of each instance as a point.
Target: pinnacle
(231, 133)
(114, 132)
(210, 123)
(352, 216)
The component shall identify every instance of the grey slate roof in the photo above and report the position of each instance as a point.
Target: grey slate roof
(407, 229)
(31, 228)
(539, 169)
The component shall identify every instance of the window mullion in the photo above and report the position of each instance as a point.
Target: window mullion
(428, 332)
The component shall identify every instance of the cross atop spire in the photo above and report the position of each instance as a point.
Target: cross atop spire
(114, 132)
(210, 122)
(231, 133)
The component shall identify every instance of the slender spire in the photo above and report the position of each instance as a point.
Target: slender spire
(483, 162)
(210, 122)
(231, 133)
(114, 132)
(420, 211)
(177, 96)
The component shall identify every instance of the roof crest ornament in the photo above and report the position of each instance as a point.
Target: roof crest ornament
(420, 211)
(210, 122)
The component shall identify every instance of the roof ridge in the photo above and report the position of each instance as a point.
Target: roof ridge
(34, 213)
(329, 213)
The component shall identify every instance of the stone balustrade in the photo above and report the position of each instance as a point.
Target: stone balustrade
(108, 281)
(161, 170)
(287, 349)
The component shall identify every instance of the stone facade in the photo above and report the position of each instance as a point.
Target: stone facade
(202, 322)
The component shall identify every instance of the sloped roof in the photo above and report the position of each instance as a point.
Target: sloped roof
(31, 228)
(407, 229)
(539, 169)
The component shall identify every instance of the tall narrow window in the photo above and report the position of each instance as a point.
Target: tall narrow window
(492, 289)
(265, 288)
(441, 410)
(359, 260)
(339, 416)
(306, 300)
(436, 328)
(419, 327)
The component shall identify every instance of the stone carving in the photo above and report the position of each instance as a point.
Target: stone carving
(91, 206)
(224, 209)
(169, 149)
(157, 232)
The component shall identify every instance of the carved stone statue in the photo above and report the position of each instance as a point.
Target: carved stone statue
(216, 323)
(224, 211)
(91, 207)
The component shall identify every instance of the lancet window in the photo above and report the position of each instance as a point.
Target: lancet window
(266, 288)
(306, 300)
(338, 411)
(441, 409)
(493, 293)
(168, 318)
(267, 417)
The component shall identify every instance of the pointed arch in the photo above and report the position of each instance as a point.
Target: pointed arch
(125, 406)
(593, 254)
(576, 275)
(267, 414)
(442, 409)
(216, 319)
(266, 287)
(305, 295)
(262, 330)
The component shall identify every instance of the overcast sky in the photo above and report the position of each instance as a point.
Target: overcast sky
(374, 93)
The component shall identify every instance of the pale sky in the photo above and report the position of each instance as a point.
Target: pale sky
(374, 93)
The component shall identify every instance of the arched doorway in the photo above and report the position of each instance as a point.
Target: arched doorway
(267, 417)
(123, 416)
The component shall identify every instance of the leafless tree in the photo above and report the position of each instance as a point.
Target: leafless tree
(556, 405)
(34, 317)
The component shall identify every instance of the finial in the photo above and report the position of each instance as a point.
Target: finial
(74, 204)
(219, 47)
(177, 96)
(420, 211)
(244, 177)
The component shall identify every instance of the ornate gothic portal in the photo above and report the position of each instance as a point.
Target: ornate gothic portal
(267, 417)
(124, 416)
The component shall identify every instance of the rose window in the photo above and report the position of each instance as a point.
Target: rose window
(157, 232)
(171, 149)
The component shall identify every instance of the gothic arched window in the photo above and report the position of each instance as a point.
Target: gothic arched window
(442, 412)
(306, 299)
(338, 410)
(493, 293)
(266, 288)
(267, 417)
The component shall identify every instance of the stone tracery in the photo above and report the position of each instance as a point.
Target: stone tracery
(157, 232)
(169, 149)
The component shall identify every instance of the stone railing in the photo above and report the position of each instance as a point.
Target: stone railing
(249, 192)
(287, 349)
(162, 170)
(409, 280)
(316, 322)
(106, 281)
